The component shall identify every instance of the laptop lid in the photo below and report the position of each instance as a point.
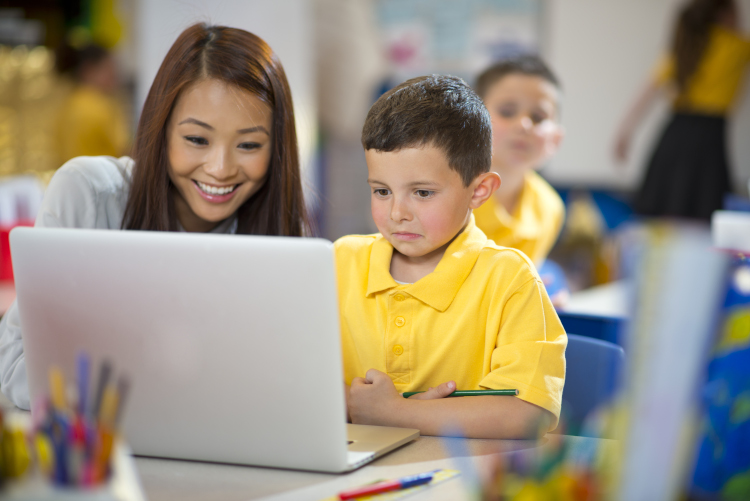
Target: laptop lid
(231, 342)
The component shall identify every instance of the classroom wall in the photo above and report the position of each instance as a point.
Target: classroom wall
(603, 51)
(285, 24)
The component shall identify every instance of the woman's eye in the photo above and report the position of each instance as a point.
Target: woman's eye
(249, 146)
(381, 192)
(538, 118)
(424, 193)
(201, 141)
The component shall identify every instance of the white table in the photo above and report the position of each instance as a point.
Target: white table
(608, 300)
(164, 479)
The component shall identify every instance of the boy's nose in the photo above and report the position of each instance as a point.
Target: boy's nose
(525, 122)
(399, 210)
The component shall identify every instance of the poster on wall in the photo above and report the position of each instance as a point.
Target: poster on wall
(419, 37)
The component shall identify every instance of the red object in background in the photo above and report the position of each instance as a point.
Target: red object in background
(6, 266)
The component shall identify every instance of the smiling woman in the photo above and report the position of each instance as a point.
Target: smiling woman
(218, 113)
(215, 151)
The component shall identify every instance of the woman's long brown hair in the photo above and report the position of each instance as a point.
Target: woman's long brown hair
(691, 34)
(241, 59)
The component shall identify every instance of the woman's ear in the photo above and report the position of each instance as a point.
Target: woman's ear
(484, 186)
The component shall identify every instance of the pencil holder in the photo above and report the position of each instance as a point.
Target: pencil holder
(72, 450)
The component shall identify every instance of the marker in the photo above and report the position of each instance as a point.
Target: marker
(388, 485)
(107, 415)
(472, 393)
(83, 367)
(57, 389)
(104, 373)
(108, 408)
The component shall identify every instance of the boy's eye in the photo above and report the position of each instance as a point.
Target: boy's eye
(197, 140)
(507, 111)
(424, 193)
(381, 192)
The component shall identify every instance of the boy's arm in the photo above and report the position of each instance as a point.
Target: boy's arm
(375, 400)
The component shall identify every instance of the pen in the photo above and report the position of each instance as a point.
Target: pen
(388, 485)
(471, 393)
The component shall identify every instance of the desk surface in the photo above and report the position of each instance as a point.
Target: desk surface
(608, 300)
(193, 481)
(166, 479)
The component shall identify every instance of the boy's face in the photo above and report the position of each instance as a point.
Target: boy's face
(418, 202)
(525, 131)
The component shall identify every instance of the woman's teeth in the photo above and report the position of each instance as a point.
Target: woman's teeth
(213, 190)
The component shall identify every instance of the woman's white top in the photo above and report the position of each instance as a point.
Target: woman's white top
(86, 192)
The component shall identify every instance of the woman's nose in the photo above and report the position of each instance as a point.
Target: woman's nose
(220, 165)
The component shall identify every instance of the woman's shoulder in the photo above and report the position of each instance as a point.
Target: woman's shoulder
(100, 173)
(87, 192)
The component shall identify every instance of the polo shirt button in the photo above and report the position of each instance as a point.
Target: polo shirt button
(400, 321)
(398, 349)
(399, 297)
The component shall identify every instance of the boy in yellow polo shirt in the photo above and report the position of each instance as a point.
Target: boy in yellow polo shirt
(430, 304)
(526, 213)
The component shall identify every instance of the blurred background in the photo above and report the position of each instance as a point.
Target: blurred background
(74, 74)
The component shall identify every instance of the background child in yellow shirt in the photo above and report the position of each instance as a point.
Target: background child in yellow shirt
(430, 304)
(526, 213)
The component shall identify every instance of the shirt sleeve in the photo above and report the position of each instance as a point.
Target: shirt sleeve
(69, 202)
(530, 352)
(13, 381)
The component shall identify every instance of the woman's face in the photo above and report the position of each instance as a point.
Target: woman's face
(219, 147)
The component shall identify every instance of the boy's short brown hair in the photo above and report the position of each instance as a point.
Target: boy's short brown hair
(439, 110)
(528, 64)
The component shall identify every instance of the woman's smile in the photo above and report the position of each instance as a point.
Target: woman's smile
(216, 194)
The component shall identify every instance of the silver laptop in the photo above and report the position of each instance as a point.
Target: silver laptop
(231, 342)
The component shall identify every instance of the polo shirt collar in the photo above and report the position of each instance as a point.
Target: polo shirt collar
(439, 288)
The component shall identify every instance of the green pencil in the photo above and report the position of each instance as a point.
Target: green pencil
(471, 393)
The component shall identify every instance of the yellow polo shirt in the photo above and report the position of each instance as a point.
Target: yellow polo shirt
(482, 318)
(535, 223)
(718, 77)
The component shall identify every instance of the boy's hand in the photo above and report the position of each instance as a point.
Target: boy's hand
(440, 391)
(347, 389)
(372, 398)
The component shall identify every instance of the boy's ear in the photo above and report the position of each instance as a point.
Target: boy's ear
(484, 186)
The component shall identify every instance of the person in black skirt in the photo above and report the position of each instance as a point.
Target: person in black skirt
(688, 173)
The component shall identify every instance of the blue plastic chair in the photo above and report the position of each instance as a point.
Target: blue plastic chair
(592, 374)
